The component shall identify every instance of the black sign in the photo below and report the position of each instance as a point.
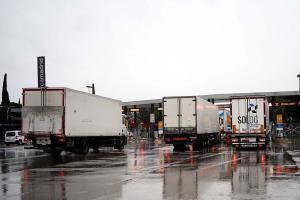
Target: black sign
(41, 72)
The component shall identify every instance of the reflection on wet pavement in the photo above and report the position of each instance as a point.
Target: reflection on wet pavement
(150, 170)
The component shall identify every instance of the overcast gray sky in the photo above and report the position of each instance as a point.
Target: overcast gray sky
(137, 49)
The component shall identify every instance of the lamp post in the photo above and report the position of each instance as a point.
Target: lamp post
(91, 87)
(298, 76)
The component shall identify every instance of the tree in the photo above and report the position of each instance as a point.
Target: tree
(5, 97)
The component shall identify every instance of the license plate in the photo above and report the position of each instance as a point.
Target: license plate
(43, 141)
(252, 139)
(179, 139)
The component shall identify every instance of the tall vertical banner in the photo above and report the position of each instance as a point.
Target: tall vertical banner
(279, 121)
(41, 72)
(279, 118)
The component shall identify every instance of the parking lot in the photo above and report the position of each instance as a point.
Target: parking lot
(151, 170)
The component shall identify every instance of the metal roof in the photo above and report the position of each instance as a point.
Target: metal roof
(268, 94)
(219, 97)
(142, 102)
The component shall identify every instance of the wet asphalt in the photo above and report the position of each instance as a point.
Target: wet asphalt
(151, 170)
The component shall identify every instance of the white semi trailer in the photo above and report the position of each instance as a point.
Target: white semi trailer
(250, 121)
(225, 124)
(57, 119)
(190, 120)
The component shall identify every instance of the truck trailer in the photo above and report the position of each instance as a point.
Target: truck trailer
(190, 120)
(250, 121)
(225, 125)
(57, 119)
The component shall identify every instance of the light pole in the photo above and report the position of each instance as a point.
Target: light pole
(298, 76)
(91, 87)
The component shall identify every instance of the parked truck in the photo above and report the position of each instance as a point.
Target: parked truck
(225, 125)
(57, 119)
(190, 120)
(250, 121)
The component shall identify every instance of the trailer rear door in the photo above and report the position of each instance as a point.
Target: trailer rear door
(248, 115)
(188, 112)
(256, 115)
(42, 111)
(171, 112)
(180, 114)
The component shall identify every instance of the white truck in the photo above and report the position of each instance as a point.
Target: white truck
(57, 119)
(250, 121)
(225, 124)
(190, 120)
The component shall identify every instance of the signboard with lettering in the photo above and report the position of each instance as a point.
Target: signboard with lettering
(152, 118)
(160, 127)
(41, 72)
(279, 119)
(248, 115)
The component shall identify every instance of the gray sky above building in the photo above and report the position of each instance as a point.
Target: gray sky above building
(140, 49)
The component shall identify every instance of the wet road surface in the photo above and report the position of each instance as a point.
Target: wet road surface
(151, 170)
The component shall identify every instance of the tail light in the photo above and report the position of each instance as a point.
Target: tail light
(261, 139)
(234, 128)
(261, 128)
(60, 138)
(234, 140)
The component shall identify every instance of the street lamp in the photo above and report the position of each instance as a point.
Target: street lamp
(298, 76)
(91, 87)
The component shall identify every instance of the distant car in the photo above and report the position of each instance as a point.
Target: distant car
(14, 137)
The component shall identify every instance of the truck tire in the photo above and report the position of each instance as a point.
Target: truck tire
(19, 142)
(196, 146)
(119, 147)
(95, 148)
(124, 140)
(56, 152)
(263, 147)
(84, 147)
(119, 144)
(179, 147)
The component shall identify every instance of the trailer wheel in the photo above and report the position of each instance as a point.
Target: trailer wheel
(119, 144)
(19, 142)
(263, 147)
(83, 146)
(196, 146)
(124, 140)
(95, 148)
(56, 152)
(179, 147)
(119, 147)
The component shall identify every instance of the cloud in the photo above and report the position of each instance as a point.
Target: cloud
(148, 49)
